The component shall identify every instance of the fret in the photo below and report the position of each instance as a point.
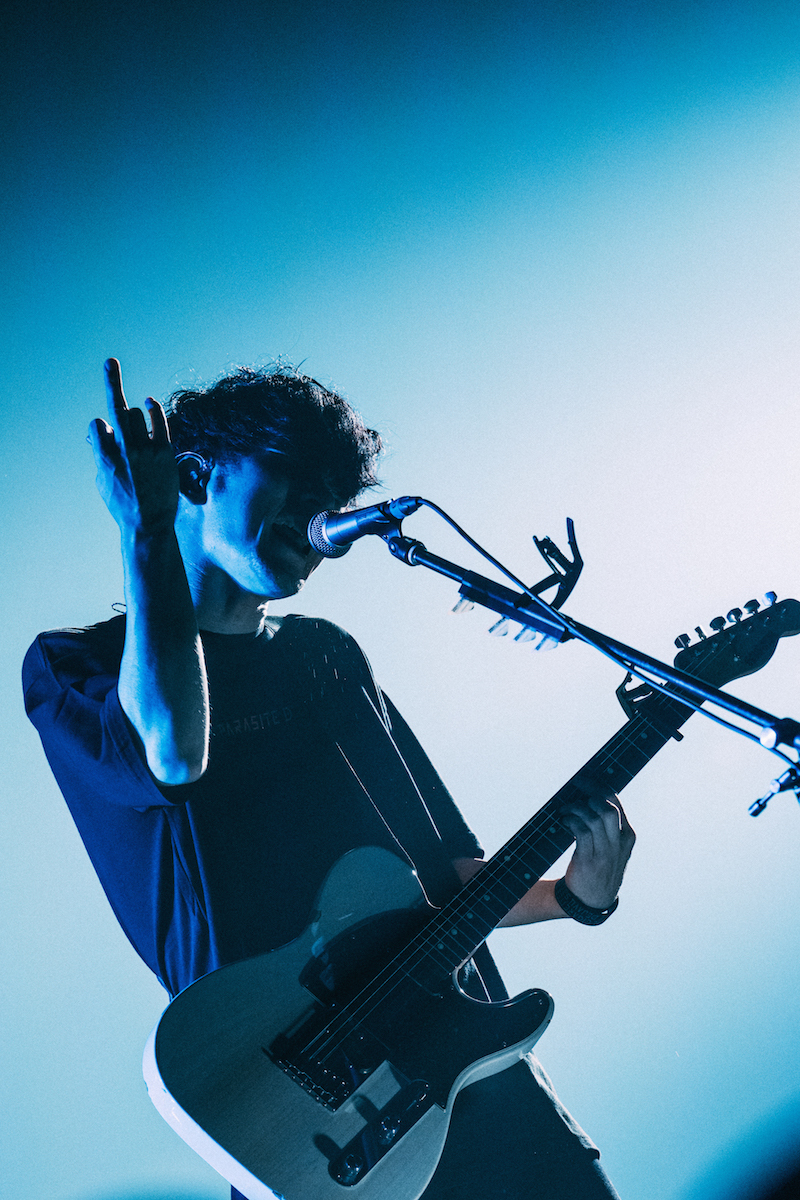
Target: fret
(459, 928)
(463, 924)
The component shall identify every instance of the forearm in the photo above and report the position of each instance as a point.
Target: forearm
(162, 684)
(538, 904)
(595, 890)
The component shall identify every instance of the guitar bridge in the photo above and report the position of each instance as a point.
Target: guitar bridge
(327, 1088)
(329, 1067)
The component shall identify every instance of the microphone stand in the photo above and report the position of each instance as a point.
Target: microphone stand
(536, 614)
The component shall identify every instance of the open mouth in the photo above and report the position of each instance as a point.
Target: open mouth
(292, 538)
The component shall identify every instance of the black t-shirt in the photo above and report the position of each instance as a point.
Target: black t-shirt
(308, 761)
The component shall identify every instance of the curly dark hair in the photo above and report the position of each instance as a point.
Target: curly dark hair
(278, 409)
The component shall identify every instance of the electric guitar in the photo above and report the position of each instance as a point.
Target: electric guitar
(330, 1066)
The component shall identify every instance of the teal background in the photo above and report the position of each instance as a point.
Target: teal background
(551, 249)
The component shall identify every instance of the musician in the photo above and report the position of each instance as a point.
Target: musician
(219, 760)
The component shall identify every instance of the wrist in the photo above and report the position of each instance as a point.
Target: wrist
(147, 539)
(156, 585)
(577, 910)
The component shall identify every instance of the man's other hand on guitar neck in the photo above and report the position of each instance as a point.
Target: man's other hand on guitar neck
(603, 844)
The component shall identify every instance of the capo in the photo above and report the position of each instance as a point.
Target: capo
(630, 697)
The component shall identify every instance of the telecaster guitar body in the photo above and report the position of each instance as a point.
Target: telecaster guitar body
(254, 1070)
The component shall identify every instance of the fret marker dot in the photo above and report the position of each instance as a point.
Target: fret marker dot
(526, 876)
(440, 946)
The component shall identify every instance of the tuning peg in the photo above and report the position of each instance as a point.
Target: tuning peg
(535, 639)
(735, 615)
(463, 606)
(699, 632)
(682, 641)
(770, 597)
(752, 606)
(501, 627)
(717, 624)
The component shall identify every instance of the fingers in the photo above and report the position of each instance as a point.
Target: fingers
(598, 818)
(114, 394)
(137, 475)
(101, 438)
(591, 810)
(603, 844)
(130, 423)
(159, 429)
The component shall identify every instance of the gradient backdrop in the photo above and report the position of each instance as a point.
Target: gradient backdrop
(551, 249)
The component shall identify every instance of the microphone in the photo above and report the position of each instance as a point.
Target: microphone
(331, 534)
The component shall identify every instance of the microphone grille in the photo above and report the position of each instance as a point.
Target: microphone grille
(318, 540)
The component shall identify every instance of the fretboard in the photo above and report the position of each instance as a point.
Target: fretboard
(466, 921)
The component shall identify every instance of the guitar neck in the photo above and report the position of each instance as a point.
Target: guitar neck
(453, 935)
(467, 920)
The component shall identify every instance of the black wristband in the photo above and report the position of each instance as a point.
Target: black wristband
(579, 911)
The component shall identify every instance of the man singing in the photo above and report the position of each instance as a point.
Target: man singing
(219, 761)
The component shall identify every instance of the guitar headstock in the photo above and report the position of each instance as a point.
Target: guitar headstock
(742, 642)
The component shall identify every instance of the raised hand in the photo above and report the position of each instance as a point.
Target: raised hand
(603, 844)
(136, 471)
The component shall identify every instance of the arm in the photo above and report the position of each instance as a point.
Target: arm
(162, 682)
(603, 844)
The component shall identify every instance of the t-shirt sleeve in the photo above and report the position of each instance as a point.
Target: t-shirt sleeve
(458, 840)
(70, 688)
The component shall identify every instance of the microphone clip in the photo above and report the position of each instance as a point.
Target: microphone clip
(566, 571)
(789, 781)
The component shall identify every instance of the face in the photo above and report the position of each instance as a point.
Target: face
(254, 524)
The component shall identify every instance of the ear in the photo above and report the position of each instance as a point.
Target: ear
(193, 475)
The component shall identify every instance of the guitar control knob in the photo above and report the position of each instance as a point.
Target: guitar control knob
(348, 1169)
(717, 623)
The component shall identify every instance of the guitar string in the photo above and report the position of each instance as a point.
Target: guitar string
(505, 867)
(517, 852)
(490, 879)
